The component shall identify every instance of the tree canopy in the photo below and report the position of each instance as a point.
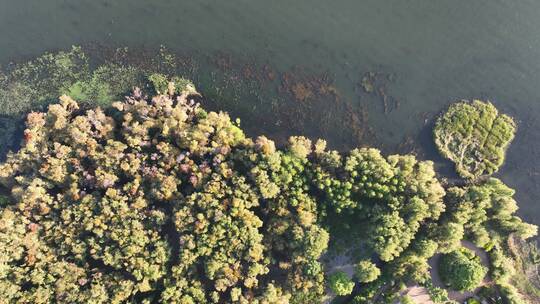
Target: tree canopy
(366, 271)
(153, 200)
(394, 194)
(462, 270)
(341, 284)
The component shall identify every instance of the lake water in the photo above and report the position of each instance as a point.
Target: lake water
(430, 52)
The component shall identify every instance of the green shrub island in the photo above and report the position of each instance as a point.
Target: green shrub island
(156, 200)
(462, 270)
(474, 136)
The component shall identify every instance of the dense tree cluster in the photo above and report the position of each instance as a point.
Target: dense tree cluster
(395, 200)
(290, 213)
(484, 213)
(150, 201)
(394, 194)
(487, 213)
(474, 136)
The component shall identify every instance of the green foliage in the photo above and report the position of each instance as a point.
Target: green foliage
(34, 84)
(474, 136)
(410, 267)
(291, 225)
(94, 89)
(462, 270)
(438, 295)
(368, 292)
(514, 268)
(483, 213)
(487, 213)
(472, 301)
(395, 195)
(366, 271)
(448, 235)
(105, 84)
(341, 284)
(159, 82)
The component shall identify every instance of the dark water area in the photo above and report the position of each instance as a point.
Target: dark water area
(421, 54)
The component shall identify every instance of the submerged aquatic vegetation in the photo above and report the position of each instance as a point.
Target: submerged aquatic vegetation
(32, 85)
(474, 136)
(37, 82)
(100, 76)
(375, 83)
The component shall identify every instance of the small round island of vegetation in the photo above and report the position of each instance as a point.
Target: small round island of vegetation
(156, 200)
(462, 270)
(475, 136)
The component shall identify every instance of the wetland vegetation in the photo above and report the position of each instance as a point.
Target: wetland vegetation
(154, 198)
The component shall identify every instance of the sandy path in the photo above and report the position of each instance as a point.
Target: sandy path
(418, 294)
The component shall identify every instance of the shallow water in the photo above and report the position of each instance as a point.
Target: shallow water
(434, 51)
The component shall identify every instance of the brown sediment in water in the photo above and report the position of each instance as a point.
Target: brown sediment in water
(269, 73)
(303, 86)
(408, 146)
(263, 75)
(316, 105)
(376, 83)
(301, 92)
(223, 61)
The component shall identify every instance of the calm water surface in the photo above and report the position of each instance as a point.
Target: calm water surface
(436, 51)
